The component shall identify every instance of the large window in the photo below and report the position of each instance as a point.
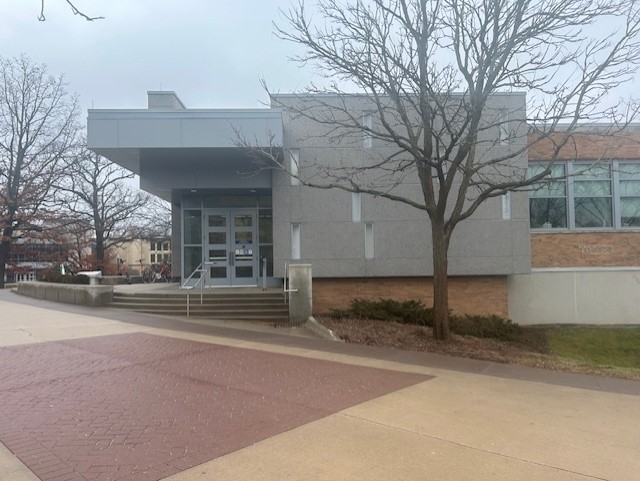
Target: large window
(592, 195)
(586, 195)
(548, 201)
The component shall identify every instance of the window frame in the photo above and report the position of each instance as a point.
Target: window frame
(573, 166)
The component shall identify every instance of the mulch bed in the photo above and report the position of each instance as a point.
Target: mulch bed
(418, 338)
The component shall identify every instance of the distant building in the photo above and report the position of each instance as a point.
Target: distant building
(132, 254)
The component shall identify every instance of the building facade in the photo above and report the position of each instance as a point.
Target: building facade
(585, 233)
(245, 223)
(526, 255)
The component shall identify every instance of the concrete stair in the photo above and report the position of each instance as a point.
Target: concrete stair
(227, 306)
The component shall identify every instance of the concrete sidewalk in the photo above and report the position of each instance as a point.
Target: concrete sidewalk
(473, 421)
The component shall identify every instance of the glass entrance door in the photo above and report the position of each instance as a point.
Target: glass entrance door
(231, 247)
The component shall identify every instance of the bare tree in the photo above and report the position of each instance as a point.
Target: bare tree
(94, 192)
(37, 130)
(74, 9)
(155, 219)
(430, 70)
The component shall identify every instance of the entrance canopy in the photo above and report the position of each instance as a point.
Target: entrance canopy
(172, 148)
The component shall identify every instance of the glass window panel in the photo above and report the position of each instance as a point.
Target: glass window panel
(593, 212)
(217, 221)
(557, 170)
(243, 220)
(629, 171)
(244, 237)
(630, 212)
(296, 247)
(244, 271)
(592, 188)
(218, 272)
(550, 189)
(548, 213)
(265, 227)
(217, 237)
(369, 241)
(630, 187)
(192, 227)
(592, 172)
(192, 259)
(356, 206)
(217, 254)
(189, 201)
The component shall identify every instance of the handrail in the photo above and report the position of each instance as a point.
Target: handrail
(203, 267)
(197, 269)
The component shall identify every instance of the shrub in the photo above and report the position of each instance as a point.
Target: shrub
(414, 312)
(407, 312)
(488, 326)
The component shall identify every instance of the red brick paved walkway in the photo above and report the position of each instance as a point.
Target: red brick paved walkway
(143, 407)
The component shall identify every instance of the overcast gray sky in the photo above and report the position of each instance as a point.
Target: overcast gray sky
(211, 52)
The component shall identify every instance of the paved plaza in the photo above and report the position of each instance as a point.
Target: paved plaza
(100, 394)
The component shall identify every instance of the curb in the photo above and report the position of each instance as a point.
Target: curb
(321, 331)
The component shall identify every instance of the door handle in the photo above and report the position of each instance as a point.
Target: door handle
(231, 258)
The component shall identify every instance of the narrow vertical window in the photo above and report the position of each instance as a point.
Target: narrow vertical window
(294, 166)
(356, 206)
(296, 251)
(503, 126)
(506, 206)
(367, 124)
(369, 241)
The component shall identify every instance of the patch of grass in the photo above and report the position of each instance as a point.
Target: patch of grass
(599, 347)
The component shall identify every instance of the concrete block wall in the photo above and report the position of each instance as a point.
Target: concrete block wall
(576, 296)
(484, 245)
(467, 294)
(91, 296)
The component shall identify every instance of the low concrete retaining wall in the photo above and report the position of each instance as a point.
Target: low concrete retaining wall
(575, 296)
(117, 280)
(300, 300)
(92, 296)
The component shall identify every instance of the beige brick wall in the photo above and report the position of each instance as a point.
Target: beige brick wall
(467, 295)
(585, 249)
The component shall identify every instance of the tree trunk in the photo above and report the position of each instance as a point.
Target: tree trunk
(441, 331)
(100, 251)
(5, 247)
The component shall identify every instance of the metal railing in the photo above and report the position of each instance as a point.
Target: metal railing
(204, 269)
